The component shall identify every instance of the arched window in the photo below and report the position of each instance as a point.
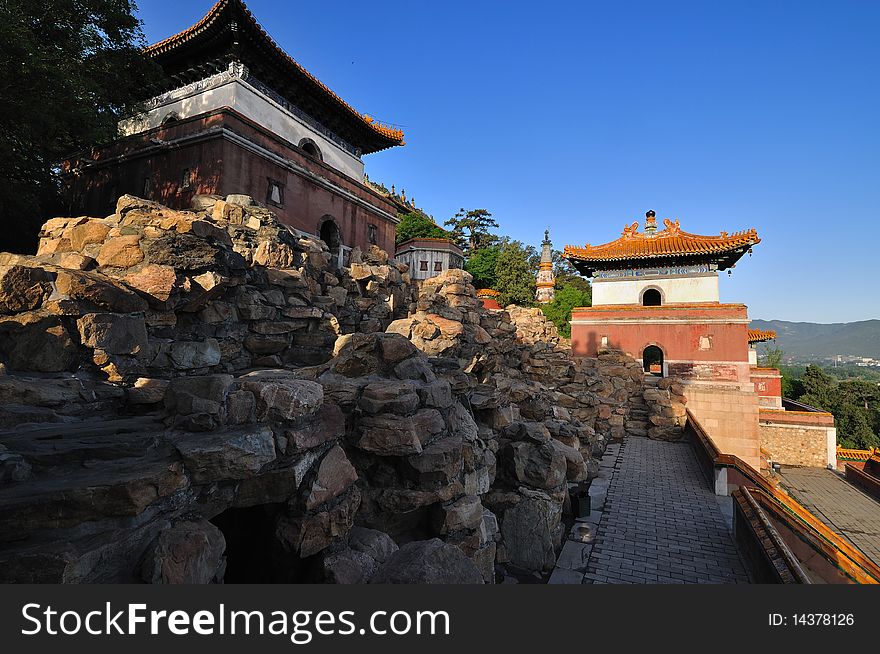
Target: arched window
(652, 359)
(652, 298)
(310, 148)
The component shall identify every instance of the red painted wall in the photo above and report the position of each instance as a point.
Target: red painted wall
(768, 382)
(221, 166)
(726, 359)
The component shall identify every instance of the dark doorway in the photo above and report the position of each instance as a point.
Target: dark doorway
(330, 235)
(253, 553)
(652, 298)
(652, 358)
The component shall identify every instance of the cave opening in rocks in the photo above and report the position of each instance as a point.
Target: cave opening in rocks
(253, 553)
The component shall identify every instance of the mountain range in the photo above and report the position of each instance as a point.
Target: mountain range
(809, 340)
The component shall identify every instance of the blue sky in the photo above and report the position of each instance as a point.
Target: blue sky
(581, 116)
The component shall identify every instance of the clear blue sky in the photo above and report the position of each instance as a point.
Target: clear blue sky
(581, 116)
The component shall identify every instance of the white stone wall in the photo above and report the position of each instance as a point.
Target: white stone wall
(227, 90)
(697, 288)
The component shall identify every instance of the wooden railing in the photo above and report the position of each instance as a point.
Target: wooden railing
(771, 498)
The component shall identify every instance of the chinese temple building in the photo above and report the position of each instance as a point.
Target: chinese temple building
(428, 257)
(655, 296)
(546, 282)
(235, 114)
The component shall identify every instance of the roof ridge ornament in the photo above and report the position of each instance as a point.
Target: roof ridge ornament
(672, 228)
(631, 230)
(650, 222)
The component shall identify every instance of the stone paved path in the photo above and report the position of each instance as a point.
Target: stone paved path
(843, 507)
(660, 523)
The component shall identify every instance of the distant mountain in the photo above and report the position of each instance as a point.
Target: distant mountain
(809, 340)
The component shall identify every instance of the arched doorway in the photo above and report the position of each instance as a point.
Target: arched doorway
(329, 233)
(652, 298)
(652, 360)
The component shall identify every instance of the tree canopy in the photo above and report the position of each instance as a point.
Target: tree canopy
(417, 225)
(70, 69)
(483, 264)
(471, 229)
(515, 274)
(855, 405)
(559, 310)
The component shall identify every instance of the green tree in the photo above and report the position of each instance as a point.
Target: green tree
(69, 70)
(772, 357)
(854, 427)
(471, 229)
(819, 388)
(559, 310)
(515, 274)
(417, 225)
(482, 264)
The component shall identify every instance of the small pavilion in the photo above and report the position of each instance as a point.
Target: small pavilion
(656, 297)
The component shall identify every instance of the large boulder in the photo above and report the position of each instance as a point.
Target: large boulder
(187, 553)
(428, 562)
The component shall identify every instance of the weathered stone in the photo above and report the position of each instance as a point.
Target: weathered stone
(389, 397)
(91, 231)
(188, 395)
(389, 435)
(187, 553)
(428, 562)
(114, 333)
(335, 475)
(156, 282)
(121, 252)
(531, 532)
(575, 467)
(147, 391)
(438, 464)
(39, 342)
(310, 533)
(236, 453)
(100, 290)
(465, 513)
(188, 355)
(23, 288)
(281, 396)
(539, 465)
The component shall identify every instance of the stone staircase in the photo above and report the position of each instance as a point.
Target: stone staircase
(638, 414)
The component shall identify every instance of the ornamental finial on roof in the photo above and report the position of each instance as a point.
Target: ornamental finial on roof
(650, 222)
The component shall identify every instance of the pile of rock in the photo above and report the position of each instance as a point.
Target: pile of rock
(667, 412)
(531, 325)
(197, 396)
(150, 292)
(544, 414)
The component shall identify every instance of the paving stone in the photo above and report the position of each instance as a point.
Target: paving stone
(661, 523)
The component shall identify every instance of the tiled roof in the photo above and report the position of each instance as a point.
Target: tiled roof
(668, 243)
(759, 336)
(217, 11)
